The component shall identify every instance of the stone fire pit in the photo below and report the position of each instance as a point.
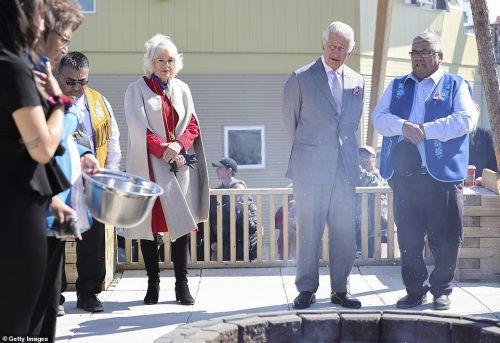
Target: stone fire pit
(335, 326)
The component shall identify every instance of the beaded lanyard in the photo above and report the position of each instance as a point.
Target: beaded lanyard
(171, 135)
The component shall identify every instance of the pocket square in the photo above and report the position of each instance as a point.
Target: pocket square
(357, 91)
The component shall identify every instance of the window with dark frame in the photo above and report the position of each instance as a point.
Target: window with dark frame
(245, 144)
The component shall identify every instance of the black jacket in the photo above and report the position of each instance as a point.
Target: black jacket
(252, 225)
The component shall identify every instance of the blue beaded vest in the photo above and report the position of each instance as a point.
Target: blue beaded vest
(446, 161)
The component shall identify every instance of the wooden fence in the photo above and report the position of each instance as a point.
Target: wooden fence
(385, 251)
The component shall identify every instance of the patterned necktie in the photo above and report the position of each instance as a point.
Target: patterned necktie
(337, 91)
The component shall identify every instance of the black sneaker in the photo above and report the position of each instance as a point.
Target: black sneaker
(411, 301)
(89, 302)
(442, 302)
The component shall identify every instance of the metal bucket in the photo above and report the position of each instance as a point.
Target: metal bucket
(120, 199)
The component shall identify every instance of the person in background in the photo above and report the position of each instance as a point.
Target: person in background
(482, 152)
(226, 172)
(164, 137)
(61, 16)
(30, 133)
(100, 134)
(426, 118)
(369, 176)
(292, 228)
(322, 106)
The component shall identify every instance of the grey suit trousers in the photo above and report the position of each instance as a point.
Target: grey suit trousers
(317, 205)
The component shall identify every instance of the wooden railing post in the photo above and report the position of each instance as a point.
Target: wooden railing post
(219, 228)
(246, 245)
(390, 227)
(286, 238)
(377, 227)
(364, 225)
(272, 230)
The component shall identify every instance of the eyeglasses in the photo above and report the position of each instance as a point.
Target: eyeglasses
(423, 53)
(66, 40)
(169, 62)
(71, 82)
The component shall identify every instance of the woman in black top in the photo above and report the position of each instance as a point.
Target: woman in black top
(30, 132)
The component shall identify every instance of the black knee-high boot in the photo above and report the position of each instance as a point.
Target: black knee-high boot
(179, 258)
(151, 261)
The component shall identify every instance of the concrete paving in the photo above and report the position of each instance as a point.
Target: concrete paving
(223, 292)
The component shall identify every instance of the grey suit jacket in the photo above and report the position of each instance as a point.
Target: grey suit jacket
(320, 135)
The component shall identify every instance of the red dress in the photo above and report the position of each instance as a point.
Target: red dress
(158, 223)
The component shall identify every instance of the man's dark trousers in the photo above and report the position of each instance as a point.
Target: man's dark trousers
(425, 206)
(90, 259)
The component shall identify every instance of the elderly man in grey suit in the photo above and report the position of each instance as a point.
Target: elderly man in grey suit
(322, 106)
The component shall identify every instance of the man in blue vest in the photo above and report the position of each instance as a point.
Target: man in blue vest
(430, 113)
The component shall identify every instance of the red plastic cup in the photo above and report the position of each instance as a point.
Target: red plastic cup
(471, 176)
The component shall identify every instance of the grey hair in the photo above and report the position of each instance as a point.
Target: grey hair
(342, 29)
(155, 43)
(430, 37)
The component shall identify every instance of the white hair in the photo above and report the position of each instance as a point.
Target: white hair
(163, 42)
(342, 29)
(430, 37)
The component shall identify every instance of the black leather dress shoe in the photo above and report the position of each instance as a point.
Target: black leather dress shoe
(345, 300)
(304, 300)
(89, 302)
(442, 302)
(411, 301)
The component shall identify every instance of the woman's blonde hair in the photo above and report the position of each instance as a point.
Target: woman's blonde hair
(155, 43)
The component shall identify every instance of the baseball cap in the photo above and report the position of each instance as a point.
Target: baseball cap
(368, 149)
(228, 163)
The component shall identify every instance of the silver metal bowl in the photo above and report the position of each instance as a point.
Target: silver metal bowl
(118, 198)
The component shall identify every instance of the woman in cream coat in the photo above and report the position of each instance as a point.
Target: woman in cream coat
(162, 128)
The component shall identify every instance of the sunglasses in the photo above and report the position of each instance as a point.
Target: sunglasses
(71, 82)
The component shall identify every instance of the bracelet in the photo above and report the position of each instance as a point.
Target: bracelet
(62, 99)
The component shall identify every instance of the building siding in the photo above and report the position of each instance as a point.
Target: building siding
(266, 26)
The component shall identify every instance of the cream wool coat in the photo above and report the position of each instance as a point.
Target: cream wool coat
(185, 201)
